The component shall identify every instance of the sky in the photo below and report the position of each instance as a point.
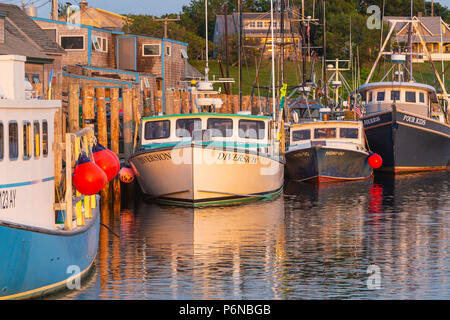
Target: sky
(150, 7)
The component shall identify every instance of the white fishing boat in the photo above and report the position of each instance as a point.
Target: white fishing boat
(210, 158)
(38, 255)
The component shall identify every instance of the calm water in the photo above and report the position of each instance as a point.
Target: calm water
(311, 243)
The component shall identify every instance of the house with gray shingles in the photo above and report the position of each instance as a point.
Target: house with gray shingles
(256, 26)
(20, 35)
(435, 32)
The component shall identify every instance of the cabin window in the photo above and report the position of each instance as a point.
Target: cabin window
(44, 138)
(220, 127)
(249, 129)
(381, 96)
(151, 50)
(26, 140)
(410, 96)
(395, 95)
(72, 42)
(301, 135)
(348, 133)
(157, 130)
(370, 96)
(37, 139)
(422, 97)
(186, 127)
(36, 78)
(13, 141)
(325, 133)
(1, 141)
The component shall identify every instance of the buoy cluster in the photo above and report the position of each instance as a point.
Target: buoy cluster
(89, 176)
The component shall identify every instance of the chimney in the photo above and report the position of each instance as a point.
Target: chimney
(2, 26)
(83, 5)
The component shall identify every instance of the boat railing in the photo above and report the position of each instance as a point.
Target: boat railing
(73, 201)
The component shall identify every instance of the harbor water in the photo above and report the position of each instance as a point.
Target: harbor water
(382, 238)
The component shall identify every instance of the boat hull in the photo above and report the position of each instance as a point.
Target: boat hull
(408, 142)
(198, 175)
(318, 164)
(38, 262)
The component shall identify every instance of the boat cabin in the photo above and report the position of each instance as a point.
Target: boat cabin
(27, 192)
(228, 130)
(327, 133)
(411, 97)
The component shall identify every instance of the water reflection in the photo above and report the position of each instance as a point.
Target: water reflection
(313, 243)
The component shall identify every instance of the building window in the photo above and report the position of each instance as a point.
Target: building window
(252, 24)
(168, 51)
(395, 95)
(250, 129)
(151, 50)
(1, 141)
(220, 127)
(100, 44)
(157, 130)
(410, 96)
(380, 96)
(72, 42)
(51, 33)
(44, 138)
(26, 140)
(259, 24)
(37, 139)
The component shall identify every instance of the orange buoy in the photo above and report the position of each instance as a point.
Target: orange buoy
(106, 160)
(126, 175)
(375, 160)
(88, 178)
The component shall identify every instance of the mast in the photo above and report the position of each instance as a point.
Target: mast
(227, 57)
(240, 54)
(411, 44)
(282, 9)
(325, 80)
(207, 66)
(273, 62)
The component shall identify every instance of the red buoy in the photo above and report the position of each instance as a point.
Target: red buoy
(88, 178)
(375, 160)
(126, 175)
(106, 160)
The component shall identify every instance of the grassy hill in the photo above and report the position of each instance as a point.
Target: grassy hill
(422, 72)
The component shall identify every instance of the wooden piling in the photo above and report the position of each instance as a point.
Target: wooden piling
(127, 122)
(88, 107)
(115, 127)
(74, 108)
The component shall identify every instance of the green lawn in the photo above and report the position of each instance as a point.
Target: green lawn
(422, 72)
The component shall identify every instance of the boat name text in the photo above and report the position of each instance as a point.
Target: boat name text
(237, 158)
(7, 199)
(370, 121)
(414, 120)
(155, 157)
(334, 153)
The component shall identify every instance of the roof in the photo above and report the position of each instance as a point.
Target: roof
(100, 18)
(25, 36)
(431, 24)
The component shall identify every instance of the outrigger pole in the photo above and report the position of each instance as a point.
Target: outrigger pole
(273, 62)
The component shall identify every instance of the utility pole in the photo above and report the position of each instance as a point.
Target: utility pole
(55, 10)
(166, 20)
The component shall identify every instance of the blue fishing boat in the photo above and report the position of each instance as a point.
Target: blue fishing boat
(38, 254)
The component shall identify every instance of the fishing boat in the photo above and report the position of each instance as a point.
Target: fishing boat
(405, 122)
(210, 158)
(327, 151)
(38, 256)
